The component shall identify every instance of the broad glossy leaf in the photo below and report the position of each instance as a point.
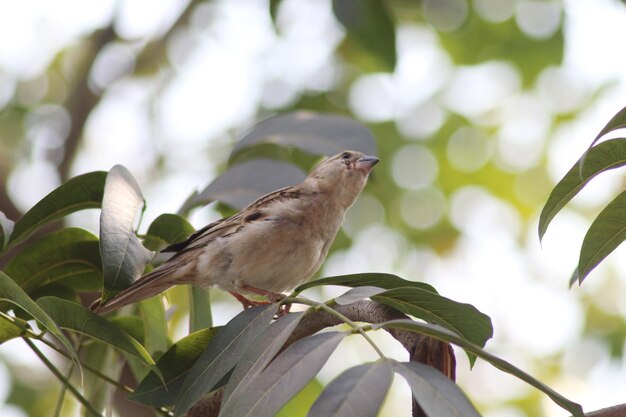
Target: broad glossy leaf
(617, 122)
(174, 365)
(607, 155)
(79, 193)
(200, 315)
(369, 23)
(96, 389)
(152, 314)
(74, 317)
(10, 328)
(284, 377)
(70, 256)
(256, 358)
(314, 133)
(357, 392)
(605, 234)
(12, 293)
(55, 290)
(446, 335)
(357, 294)
(132, 325)
(165, 230)
(6, 228)
(387, 281)
(243, 183)
(463, 319)
(123, 256)
(436, 394)
(224, 352)
(300, 403)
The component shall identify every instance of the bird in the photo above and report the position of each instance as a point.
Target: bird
(269, 247)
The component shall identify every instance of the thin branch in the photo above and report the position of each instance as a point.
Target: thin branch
(61, 378)
(615, 411)
(82, 100)
(360, 311)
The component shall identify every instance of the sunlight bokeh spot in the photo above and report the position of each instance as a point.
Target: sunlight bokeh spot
(423, 208)
(538, 18)
(477, 89)
(495, 11)
(469, 149)
(414, 166)
(446, 15)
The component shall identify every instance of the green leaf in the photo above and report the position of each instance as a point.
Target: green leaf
(11, 327)
(607, 155)
(200, 315)
(224, 352)
(284, 377)
(605, 234)
(357, 294)
(56, 290)
(74, 317)
(69, 256)
(174, 365)
(313, 133)
(446, 335)
(274, 9)
(256, 358)
(369, 23)
(132, 325)
(300, 403)
(617, 122)
(387, 281)
(358, 391)
(123, 256)
(152, 314)
(463, 319)
(436, 394)
(165, 230)
(79, 193)
(96, 389)
(243, 183)
(12, 293)
(6, 228)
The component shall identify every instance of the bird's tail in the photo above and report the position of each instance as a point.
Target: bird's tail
(147, 286)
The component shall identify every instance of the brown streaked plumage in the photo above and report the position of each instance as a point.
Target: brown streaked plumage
(269, 247)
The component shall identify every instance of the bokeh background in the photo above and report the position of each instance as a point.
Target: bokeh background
(478, 108)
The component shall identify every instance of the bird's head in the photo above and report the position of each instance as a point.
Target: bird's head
(345, 173)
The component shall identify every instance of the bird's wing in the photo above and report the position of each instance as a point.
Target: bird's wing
(255, 211)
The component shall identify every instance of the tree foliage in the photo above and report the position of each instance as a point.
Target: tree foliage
(245, 358)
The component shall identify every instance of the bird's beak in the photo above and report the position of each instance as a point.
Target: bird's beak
(366, 163)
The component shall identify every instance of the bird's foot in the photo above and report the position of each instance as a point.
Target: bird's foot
(271, 296)
(274, 297)
(246, 302)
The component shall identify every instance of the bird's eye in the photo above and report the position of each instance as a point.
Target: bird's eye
(346, 155)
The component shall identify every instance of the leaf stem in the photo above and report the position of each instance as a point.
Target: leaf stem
(333, 312)
(61, 378)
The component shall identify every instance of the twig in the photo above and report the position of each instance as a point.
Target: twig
(360, 311)
(61, 378)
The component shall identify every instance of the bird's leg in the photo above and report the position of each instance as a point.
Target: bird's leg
(272, 297)
(246, 302)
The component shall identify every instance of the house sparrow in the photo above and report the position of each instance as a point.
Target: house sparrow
(269, 247)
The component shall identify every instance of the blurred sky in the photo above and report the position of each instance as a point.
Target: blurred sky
(239, 62)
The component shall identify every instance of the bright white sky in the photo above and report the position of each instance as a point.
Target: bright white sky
(218, 85)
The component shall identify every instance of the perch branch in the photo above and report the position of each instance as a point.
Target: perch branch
(421, 348)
